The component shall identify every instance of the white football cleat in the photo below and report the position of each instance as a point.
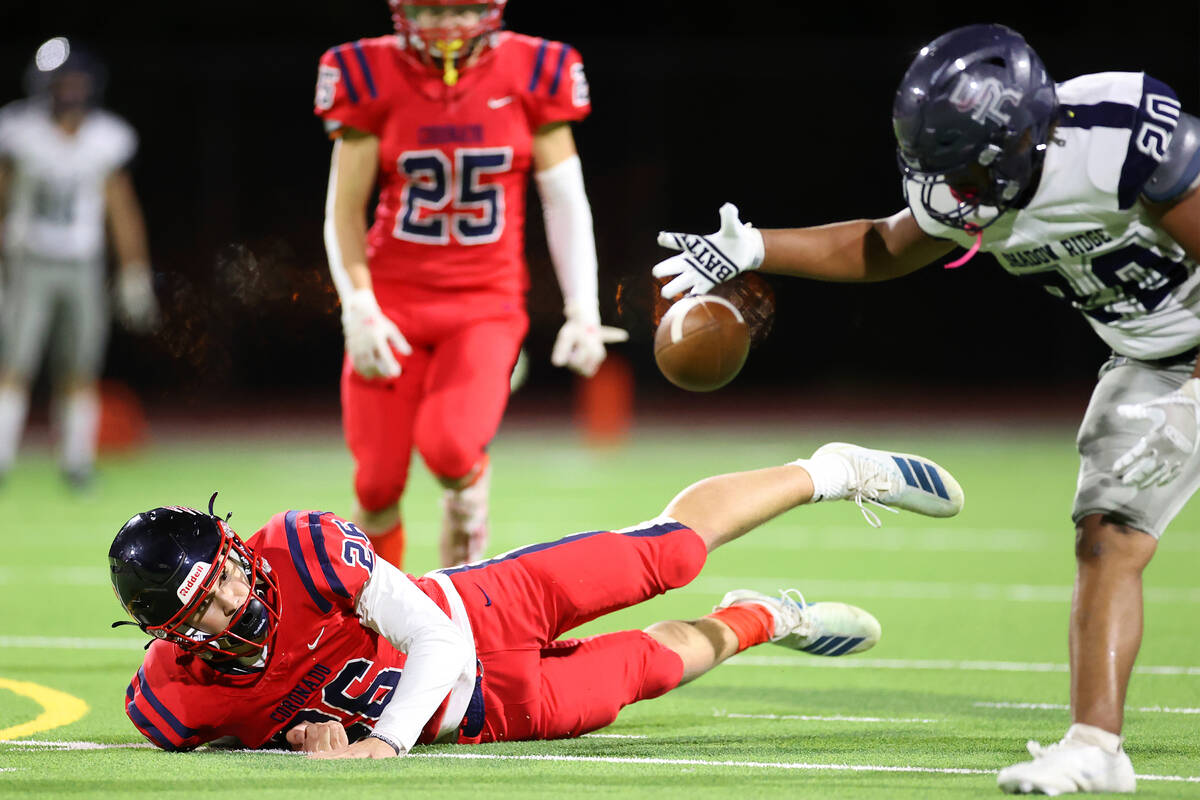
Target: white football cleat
(885, 479)
(1069, 766)
(465, 521)
(823, 629)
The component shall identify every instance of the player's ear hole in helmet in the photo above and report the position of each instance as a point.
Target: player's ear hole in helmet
(166, 565)
(446, 35)
(973, 117)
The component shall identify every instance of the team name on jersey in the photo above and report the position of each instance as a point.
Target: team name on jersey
(449, 134)
(1076, 245)
(295, 700)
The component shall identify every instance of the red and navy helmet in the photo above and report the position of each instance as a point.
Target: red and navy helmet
(165, 562)
(450, 41)
(973, 117)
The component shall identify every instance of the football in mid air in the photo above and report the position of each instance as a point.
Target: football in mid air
(701, 343)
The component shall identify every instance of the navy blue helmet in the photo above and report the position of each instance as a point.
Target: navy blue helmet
(972, 118)
(165, 562)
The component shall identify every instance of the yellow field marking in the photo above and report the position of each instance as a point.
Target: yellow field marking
(58, 708)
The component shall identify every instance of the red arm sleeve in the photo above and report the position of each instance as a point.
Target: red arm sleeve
(159, 709)
(558, 89)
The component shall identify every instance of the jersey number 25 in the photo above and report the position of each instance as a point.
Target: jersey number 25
(444, 200)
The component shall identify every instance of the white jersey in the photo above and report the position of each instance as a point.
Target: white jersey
(55, 203)
(1085, 236)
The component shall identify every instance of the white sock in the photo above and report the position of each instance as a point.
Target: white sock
(1090, 734)
(14, 405)
(80, 424)
(830, 473)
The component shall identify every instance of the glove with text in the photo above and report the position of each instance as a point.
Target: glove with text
(705, 261)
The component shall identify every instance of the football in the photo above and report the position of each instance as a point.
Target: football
(701, 343)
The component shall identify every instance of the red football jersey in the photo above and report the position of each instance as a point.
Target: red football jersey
(324, 665)
(454, 162)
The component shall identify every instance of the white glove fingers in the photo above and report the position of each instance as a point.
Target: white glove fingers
(1131, 455)
(729, 219)
(611, 335)
(670, 240)
(686, 282)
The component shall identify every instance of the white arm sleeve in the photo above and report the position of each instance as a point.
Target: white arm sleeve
(341, 278)
(569, 236)
(439, 655)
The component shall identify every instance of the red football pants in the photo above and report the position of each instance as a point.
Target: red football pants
(535, 687)
(450, 395)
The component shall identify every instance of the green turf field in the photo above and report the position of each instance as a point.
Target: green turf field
(972, 661)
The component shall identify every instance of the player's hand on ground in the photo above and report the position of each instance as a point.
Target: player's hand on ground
(318, 737)
(705, 261)
(1157, 458)
(370, 747)
(371, 336)
(579, 345)
(137, 306)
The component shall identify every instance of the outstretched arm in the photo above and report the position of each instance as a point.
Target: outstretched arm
(859, 250)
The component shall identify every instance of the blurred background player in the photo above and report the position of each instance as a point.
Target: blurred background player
(62, 176)
(450, 116)
(1087, 188)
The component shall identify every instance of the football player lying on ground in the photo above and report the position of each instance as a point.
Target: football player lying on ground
(301, 637)
(1088, 188)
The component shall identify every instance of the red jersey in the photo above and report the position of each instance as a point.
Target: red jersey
(454, 162)
(324, 663)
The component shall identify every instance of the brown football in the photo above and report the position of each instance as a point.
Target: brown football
(701, 343)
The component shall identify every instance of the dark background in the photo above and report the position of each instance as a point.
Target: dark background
(779, 107)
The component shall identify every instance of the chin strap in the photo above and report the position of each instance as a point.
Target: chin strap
(212, 500)
(137, 625)
(958, 262)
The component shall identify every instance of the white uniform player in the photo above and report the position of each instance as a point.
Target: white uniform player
(62, 178)
(1088, 188)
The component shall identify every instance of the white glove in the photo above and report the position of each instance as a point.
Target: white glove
(1158, 456)
(706, 261)
(370, 336)
(581, 339)
(137, 306)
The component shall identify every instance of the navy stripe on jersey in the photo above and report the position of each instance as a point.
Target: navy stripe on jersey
(641, 533)
(293, 540)
(558, 69)
(366, 69)
(1098, 115)
(147, 727)
(1151, 135)
(318, 538)
(537, 66)
(351, 92)
(181, 730)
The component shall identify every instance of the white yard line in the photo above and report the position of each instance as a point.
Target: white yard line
(683, 762)
(1064, 707)
(854, 662)
(818, 718)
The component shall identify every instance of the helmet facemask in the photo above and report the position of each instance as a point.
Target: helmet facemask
(447, 35)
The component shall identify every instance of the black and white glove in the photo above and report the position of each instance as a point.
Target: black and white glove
(579, 345)
(371, 336)
(705, 261)
(1157, 458)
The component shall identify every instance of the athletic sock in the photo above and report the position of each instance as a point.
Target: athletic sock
(830, 473)
(390, 545)
(1090, 734)
(14, 405)
(81, 419)
(752, 623)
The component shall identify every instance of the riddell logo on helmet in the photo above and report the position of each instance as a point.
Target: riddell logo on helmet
(193, 580)
(984, 97)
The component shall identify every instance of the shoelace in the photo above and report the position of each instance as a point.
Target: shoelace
(868, 491)
(800, 604)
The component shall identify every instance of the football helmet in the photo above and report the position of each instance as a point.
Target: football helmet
(67, 75)
(165, 562)
(973, 117)
(443, 34)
